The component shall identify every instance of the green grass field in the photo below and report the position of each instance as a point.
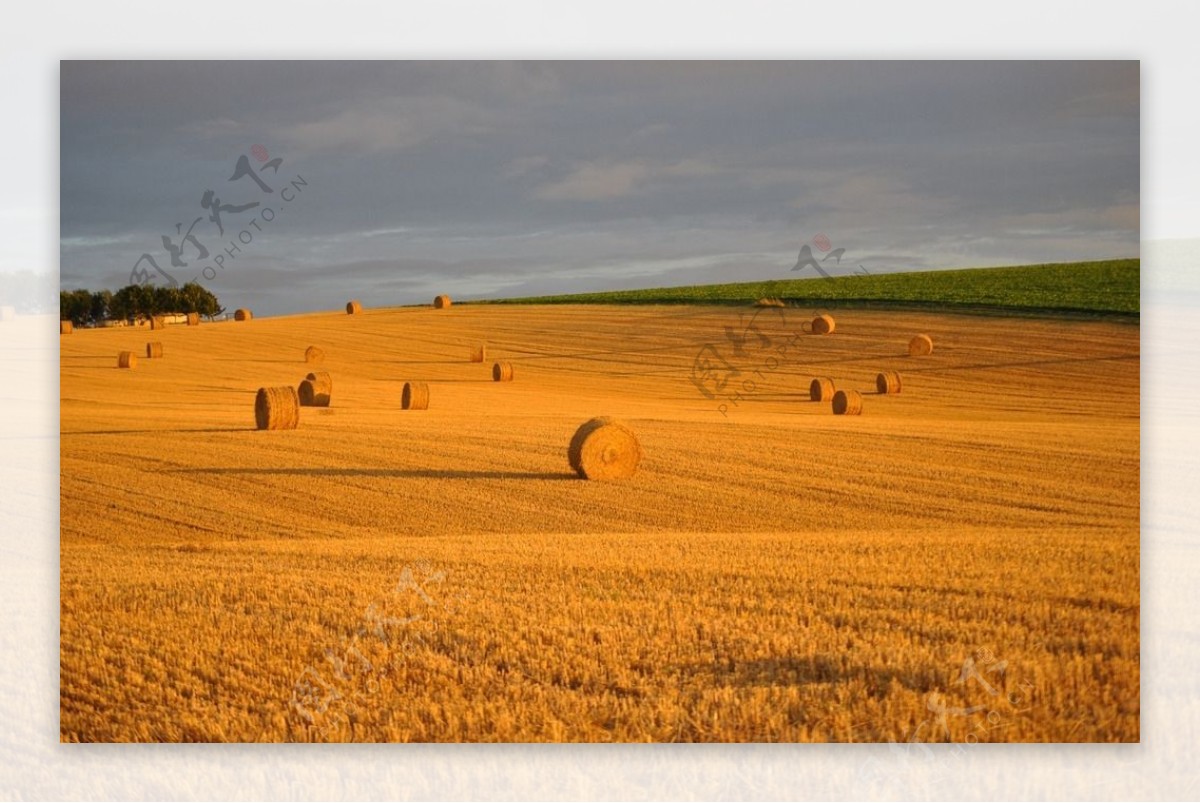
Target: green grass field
(1111, 287)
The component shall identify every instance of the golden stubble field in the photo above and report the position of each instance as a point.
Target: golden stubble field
(960, 563)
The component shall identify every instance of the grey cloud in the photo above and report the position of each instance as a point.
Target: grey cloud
(380, 125)
(526, 177)
(595, 181)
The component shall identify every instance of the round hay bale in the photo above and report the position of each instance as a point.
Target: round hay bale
(604, 449)
(127, 359)
(847, 402)
(821, 389)
(823, 325)
(353, 307)
(276, 408)
(415, 396)
(479, 353)
(157, 322)
(193, 319)
(502, 372)
(316, 390)
(65, 327)
(308, 395)
(920, 346)
(441, 302)
(153, 350)
(314, 355)
(242, 315)
(887, 382)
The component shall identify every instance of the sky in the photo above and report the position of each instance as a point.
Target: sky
(393, 181)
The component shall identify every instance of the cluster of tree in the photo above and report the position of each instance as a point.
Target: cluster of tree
(83, 307)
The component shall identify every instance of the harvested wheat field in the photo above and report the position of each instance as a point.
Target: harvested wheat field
(957, 563)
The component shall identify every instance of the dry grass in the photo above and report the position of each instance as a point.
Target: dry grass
(764, 576)
(647, 637)
(276, 408)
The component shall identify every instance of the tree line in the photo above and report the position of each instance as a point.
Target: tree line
(136, 301)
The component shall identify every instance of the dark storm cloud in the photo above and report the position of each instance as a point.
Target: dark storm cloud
(500, 178)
